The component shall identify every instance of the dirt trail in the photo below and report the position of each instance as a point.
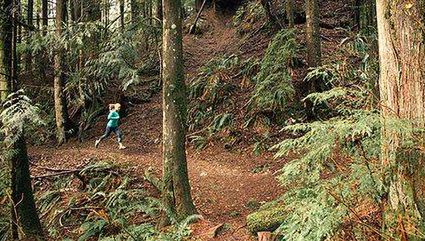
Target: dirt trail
(223, 182)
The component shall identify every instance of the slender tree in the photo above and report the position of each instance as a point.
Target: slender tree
(28, 55)
(159, 9)
(61, 112)
(24, 213)
(402, 90)
(135, 10)
(176, 191)
(122, 14)
(313, 33)
(44, 14)
(290, 13)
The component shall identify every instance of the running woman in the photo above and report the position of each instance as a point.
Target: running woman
(112, 126)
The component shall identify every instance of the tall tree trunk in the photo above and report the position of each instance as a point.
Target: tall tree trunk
(24, 212)
(122, 15)
(28, 55)
(135, 10)
(45, 14)
(401, 34)
(159, 9)
(313, 33)
(290, 13)
(61, 112)
(176, 191)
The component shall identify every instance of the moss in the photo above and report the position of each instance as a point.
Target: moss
(266, 220)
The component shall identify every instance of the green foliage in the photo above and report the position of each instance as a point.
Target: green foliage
(211, 88)
(105, 206)
(273, 83)
(247, 16)
(337, 177)
(18, 112)
(4, 202)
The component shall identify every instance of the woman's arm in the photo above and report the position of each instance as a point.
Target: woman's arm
(113, 116)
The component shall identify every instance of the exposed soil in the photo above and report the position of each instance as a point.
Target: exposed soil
(223, 181)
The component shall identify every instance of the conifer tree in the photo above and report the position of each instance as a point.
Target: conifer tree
(402, 92)
(176, 193)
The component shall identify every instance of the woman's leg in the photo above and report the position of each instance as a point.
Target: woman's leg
(118, 132)
(107, 133)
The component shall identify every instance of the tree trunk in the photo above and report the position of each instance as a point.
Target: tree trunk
(176, 193)
(357, 13)
(401, 39)
(45, 14)
(159, 9)
(23, 212)
(122, 15)
(61, 112)
(313, 33)
(135, 10)
(290, 13)
(28, 55)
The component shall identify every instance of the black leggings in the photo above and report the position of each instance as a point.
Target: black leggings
(108, 132)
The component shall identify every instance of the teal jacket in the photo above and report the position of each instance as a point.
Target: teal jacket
(113, 118)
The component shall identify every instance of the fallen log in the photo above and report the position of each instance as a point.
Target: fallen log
(266, 220)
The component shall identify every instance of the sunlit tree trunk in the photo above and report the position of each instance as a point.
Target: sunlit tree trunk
(402, 91)
(23, 212)
(61, 112)
(176, 191)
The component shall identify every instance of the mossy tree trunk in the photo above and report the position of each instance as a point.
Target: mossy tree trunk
(61, 110)
(402, 91)
(23, 212)
(176, 193)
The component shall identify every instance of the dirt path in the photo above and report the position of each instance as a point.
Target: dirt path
(223, 183)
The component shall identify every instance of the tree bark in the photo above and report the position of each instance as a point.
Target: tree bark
(313, 33)
(45, 14)
(28, 55)
(401, 36)
(176, 193)
(159, 9)
(122, 16)
(61, 112)
(23, 212)
(135, 10)
(290, 13)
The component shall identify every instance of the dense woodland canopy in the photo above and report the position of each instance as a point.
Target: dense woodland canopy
(281, 120)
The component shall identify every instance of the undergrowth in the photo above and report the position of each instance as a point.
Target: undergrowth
(100, 201)
(337, 184)
(211, 97)
(273, 89)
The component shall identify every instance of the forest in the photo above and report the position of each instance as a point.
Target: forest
(198, 120)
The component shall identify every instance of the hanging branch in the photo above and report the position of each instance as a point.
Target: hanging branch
(193, 27)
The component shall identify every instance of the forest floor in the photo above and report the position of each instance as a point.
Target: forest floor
(224, 183)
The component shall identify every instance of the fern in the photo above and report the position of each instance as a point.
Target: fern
(18, 112)
(273, 83)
